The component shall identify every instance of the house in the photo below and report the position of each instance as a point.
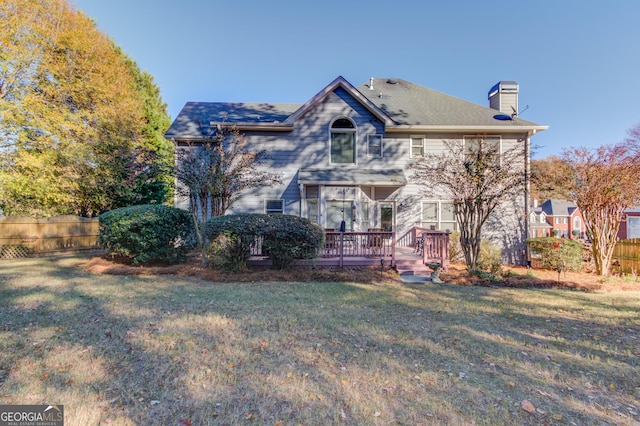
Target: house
(556, 218)
(630, 226)
(343, 155)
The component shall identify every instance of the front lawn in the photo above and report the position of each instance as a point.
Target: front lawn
(158, 349)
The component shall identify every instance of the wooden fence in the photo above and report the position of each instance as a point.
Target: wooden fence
(626, 256)
(26, 236)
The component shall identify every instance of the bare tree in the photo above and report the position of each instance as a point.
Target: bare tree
(606, 183)
(214, 171)
(478, 177)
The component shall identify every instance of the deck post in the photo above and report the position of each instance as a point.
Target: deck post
(393, 249)
(341, 250)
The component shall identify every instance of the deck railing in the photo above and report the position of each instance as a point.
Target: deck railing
(360, 244)
(435, 247)
(377, 247)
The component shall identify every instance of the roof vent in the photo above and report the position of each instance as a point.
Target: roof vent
(392, 81)
(371, 83)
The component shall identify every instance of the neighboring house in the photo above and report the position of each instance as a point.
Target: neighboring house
(630, 226)
(556, 218)
(343, 155)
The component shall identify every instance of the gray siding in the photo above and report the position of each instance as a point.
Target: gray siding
(307, 146)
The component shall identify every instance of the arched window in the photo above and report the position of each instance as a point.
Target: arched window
(343, 141)
(577, 225)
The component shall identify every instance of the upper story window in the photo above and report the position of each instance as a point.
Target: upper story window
(485, 144)
(343, 141)
(374, 146)
(417, 147)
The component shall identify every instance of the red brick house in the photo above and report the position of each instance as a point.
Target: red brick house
(630, 226)
(556, 218)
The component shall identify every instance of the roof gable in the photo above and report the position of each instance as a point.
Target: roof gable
(340, 82)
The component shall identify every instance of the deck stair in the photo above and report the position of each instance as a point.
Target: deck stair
(409, 265)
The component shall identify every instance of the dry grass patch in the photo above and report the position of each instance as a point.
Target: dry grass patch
(153, 349)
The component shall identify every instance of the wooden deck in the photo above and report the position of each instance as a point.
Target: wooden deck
(377, 249)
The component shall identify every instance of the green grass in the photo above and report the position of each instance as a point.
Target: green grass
(152, 350)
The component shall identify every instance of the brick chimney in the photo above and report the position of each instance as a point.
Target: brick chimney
(503, 97)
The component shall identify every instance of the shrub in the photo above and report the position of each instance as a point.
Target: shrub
(147, 233)
(230, 238)
(284, 238)
(557, 253)
(490, 259)
(287, 238)
(455, 249)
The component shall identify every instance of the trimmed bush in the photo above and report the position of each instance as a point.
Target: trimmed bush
(147, 233)
(557, 253)
(284, 238)
(230, 238)
(291, 237)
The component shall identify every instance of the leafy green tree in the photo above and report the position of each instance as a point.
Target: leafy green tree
(74, 117)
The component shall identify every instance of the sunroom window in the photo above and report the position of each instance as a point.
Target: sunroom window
(343, 141)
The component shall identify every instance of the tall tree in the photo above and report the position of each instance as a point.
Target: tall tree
(478, 178)
(214, 171)
(72, 113)
(551, 177)
(607, 182)
(154, 181)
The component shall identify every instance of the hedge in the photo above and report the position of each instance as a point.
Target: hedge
(284, 238)
(147, 233)
(557, 253)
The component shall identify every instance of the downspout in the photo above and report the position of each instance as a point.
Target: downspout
(301, 187)
(527, 195)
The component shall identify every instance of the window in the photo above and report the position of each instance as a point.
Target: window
(447, 217)
(343, 141)
(364, 215)
(439, 215)
(417, 147)
(484, 144)
(273, 207)
(312, 210)
(374, 146)
(577, 225)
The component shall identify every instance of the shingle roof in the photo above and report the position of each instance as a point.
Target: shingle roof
(405, 103)
(555, 207)
(194, 114)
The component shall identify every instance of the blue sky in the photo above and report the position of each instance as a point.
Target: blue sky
(577, 62)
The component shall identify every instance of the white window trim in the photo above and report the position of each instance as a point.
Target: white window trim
(369, 137)
(267, 200)
(439, 220)
(485, 137)
(411, 138)
(355, 140)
